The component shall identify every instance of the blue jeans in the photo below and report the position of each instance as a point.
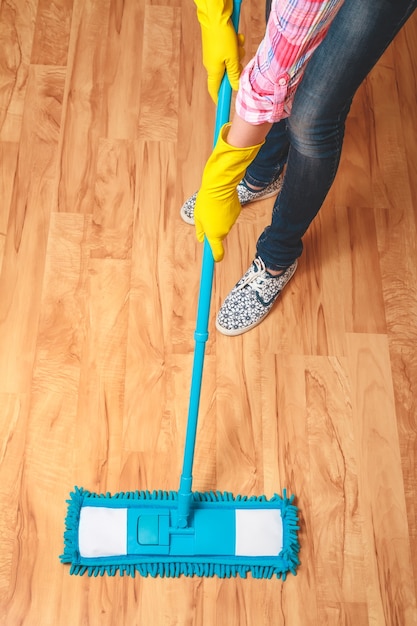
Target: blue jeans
(310, 140)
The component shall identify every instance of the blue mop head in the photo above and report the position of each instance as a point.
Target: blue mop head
(135, 532)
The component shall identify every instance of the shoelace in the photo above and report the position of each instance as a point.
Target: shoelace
(256, 273)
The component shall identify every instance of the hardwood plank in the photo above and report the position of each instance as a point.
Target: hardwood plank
(153, 241)
(404, 50)
(32, 200)
(116, 188)
(8, 159)
(43, 490)
(340, 565)
(239, 438)
(101, 386)
(362, 293)
(61, 333)
(389, 169)
(345, 614)
(242, 602)
(84, 115)
(398, 259)
(17, 25)
(287, 466)
(52, 31)
(14, 411)
(158, 114)
(390, 588)
(122, 71)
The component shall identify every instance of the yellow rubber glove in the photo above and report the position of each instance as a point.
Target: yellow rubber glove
(222, 47)
(217, 204)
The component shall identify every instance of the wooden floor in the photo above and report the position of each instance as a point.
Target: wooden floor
(105, 125)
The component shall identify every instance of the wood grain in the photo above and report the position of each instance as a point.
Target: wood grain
(158, 113)
(17, 26)
(105, 127)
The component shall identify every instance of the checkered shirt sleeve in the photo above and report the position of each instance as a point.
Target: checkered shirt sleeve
(268, 83)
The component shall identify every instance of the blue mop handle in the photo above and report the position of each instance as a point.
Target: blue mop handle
(203, 312)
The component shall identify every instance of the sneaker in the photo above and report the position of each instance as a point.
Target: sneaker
(251, 298)
(245, 196)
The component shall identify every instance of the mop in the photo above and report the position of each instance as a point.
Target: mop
(184, 533)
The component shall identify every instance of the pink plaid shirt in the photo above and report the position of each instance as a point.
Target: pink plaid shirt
(269, 81)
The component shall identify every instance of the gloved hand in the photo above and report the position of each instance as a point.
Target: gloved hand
(222, 47)
(217, 204)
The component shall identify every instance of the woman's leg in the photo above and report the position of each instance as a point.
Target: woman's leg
(359, 34)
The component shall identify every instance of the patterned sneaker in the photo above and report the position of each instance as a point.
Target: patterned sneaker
(245, 196)
(251, 298)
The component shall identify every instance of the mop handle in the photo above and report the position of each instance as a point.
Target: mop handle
(201, 332)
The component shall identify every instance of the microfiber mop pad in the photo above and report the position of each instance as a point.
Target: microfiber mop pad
(135, 532)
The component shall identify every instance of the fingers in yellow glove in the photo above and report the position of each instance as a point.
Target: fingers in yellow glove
(222, 47)
(215, 222)
(217, 204)
(230, 64)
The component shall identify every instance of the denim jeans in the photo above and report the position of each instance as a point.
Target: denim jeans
(310, 140)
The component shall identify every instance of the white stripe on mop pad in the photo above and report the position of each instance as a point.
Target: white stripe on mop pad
(102, 532)
(258, 532)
